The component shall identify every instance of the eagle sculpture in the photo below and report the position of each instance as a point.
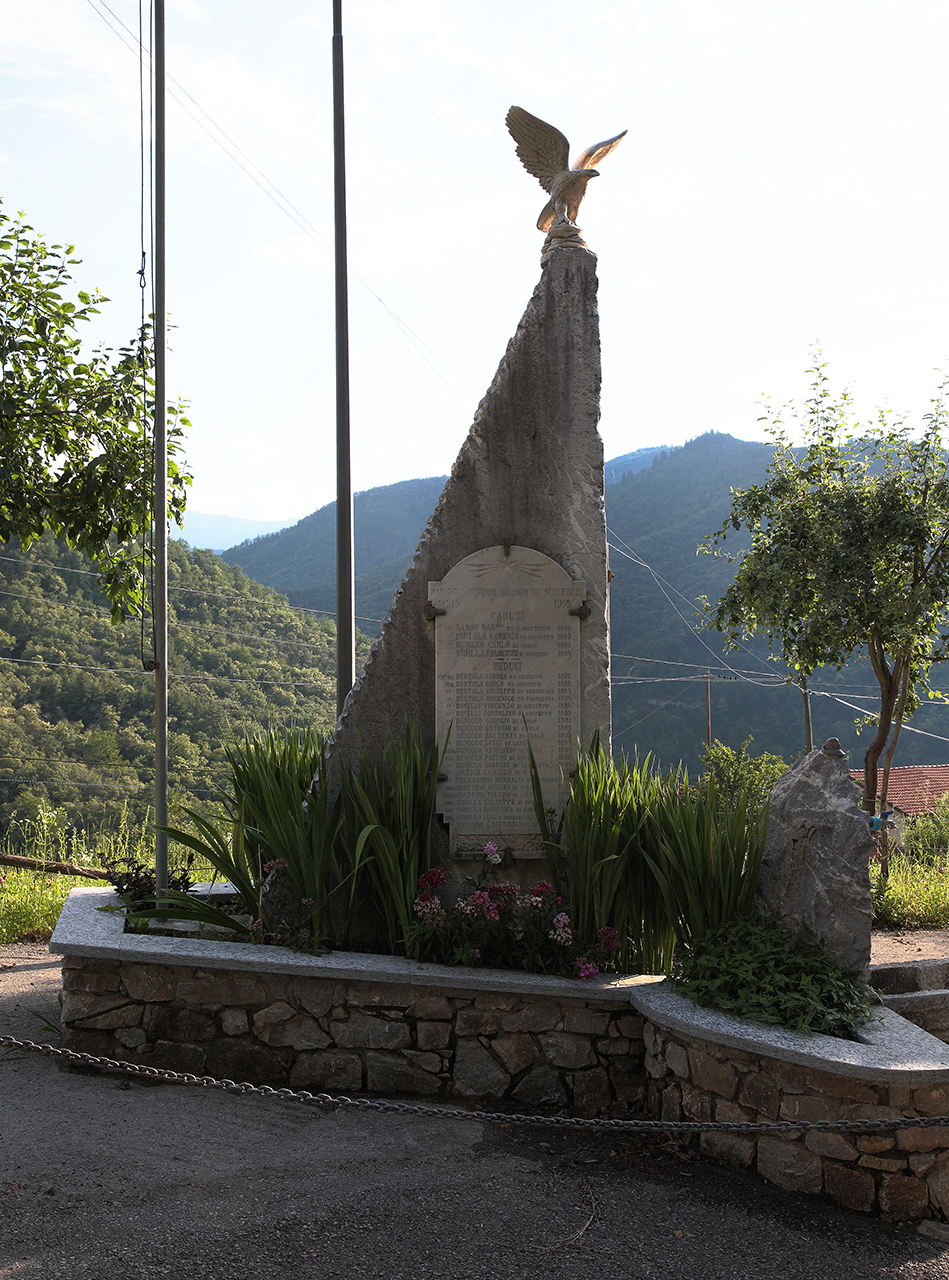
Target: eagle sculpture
(545, 152)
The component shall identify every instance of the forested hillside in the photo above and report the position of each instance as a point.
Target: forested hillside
(76, 707)
(388, 522)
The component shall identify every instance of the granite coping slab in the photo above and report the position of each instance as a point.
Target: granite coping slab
(85, 931)
(892, 1050)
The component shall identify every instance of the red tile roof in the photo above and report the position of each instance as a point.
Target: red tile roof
(914, 788)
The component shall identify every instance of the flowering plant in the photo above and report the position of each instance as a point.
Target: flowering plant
(501, 925)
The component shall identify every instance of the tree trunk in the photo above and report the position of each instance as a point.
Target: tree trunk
(902, 670)
(889, 681)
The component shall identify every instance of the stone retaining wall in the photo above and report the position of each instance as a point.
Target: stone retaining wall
(904, 1174)
(323, 1034)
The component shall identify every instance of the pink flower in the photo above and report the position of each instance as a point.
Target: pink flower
(542, 887)
(587, 970)
(433, 879)
(607, 939)
(258, 925)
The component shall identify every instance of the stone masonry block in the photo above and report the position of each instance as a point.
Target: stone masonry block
(188, 1059)
(759, 1092)
(517, 1052)
(296, 1031)
(585, 1022)
(234, 1022)
(477, 1022)
(313, 995)
(184, 1025)
(832, 1145)
(148, 983)
(92, 977)
(433, 1035)
(432, 1009)
(328, 1071)
(542, 1015)
(696, 1104)
(903, 1197)
(852, 1188)
(708, 1073)
(363, 1031)
(591, 1090)
(567, 1051)
(677, 1060)
(932, 1100)
(476, 1073)
(542, 1085)
(237, 1058)
(212, 990)
(733, 1148)
(391, 1073)
(936, 1138)
(791, 1167)
(800, 1106)
(938, 1182)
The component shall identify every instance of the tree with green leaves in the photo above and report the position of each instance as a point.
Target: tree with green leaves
(849, 554)
(75, 448)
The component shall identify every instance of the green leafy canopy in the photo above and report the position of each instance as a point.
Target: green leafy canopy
(75, 453)
(849, 552)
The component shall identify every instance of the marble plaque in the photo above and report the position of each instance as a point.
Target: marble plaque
(507, 650)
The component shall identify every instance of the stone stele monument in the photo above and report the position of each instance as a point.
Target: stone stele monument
(499, 633)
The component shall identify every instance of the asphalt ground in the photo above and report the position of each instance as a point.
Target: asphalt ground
(106, 1178)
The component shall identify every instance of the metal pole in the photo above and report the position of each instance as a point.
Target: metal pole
(160, 601)
(708, 709)
(808, 731)
(345, 585)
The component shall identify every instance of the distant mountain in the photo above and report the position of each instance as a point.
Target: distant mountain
(216, 532)
(388, 522)
(616, 468)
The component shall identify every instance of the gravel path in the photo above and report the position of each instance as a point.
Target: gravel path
(108, 1179)
(914, 944)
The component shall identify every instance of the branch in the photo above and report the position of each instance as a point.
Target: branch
(59, 868)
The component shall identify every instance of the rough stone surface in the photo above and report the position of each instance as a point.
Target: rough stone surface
(902, 1197)
(390, 1073)
(477, 1074)
(327, 1071)
(564, 1050)
(814, 871)
(541, 1085)
(362, 1031)
(591, 1090)
(730, 1147)
(516, 1050)
(849, 1187)
(510, 481)
(788, 1166)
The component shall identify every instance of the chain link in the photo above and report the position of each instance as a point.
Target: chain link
(497, 1117)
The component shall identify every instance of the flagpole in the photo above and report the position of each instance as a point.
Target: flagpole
(345, 585)
(160, 597)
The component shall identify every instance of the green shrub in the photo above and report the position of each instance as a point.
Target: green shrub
(914, 895)
(753, 969)
(649, 856)
(738, 775)
(927, 837)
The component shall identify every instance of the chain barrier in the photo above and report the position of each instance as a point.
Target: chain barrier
(496, 1117)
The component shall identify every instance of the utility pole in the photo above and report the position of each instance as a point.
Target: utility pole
(808, 731)
(160, 600)
(708, 709)
(345, 584)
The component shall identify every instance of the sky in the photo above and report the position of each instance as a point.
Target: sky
(783, 185)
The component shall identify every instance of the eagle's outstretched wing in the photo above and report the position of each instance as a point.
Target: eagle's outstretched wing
(593, 155)
(543, 150)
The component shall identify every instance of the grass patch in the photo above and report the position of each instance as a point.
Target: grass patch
(30, 901)
(915, 896)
